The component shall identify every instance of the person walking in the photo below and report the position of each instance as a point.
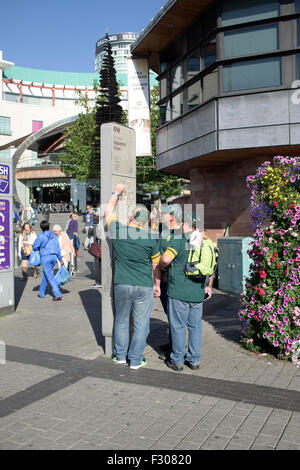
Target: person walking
(48, 246)
(35, 207)
(136, 256)
(46, 212)
(25, 215)
(89, 227)
(185, 303)
(66, 245)
(27, 238)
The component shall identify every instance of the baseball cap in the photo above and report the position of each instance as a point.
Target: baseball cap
(172, 209)
(141, 214)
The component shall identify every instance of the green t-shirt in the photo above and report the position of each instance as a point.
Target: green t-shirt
(181, 287)
(134, 251)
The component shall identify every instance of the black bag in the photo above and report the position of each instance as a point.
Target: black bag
(90, 233)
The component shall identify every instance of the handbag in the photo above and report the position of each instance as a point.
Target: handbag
(63, 276)
(90, 233)
(35, 258)
(27, 250)
(95, 250)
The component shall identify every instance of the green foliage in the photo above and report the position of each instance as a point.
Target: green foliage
(78, 158)
(270, 312)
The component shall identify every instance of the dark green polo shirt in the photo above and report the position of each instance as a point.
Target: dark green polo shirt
(181, 287)
(134, 251)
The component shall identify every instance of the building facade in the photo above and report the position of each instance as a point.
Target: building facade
(120, 45)
(227, 72)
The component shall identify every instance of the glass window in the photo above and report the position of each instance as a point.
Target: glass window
(176, 77)
(298, 32)
(177, 105)
(5, 125)
(260, 73)
(297, 66)
(165, 113)
(209, 53)
(193, 95)
(236, 12)
(5, 153)
(163, 67)
(37, 125)
(210, 85)
(193, 65)
(164, 87)
(251, 40)
(297, 6)
(176, 49)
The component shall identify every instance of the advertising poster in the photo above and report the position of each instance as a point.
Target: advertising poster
(4, 179)
(138, 104)
(4, 235)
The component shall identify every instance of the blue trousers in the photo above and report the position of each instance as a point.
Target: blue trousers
(48, 263)
(184, 315)
(139, 301)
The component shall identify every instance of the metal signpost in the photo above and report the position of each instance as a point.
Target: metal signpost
(118, 165)
(7, 297)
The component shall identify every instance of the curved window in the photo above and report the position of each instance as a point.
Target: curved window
(209, 53)
(259, 73)
(237, 12)
(193, 95)
(251, 40)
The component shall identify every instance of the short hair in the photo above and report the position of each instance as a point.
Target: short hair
(56, 228)
(44, 225)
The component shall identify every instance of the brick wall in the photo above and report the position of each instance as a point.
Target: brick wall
(225, 196)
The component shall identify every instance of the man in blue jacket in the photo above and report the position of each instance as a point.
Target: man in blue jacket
(48, 245)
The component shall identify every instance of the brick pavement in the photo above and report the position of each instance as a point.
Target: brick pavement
(59, 391)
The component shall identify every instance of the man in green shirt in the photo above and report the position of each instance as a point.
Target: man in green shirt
(185, 303)
(136, 256)
(171, 217)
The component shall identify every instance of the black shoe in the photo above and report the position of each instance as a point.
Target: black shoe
(173, 366)
(164, 356)
(191, 366)
(56, 299)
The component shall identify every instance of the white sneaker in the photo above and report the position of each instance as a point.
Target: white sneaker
(143, 363)
(118, 361)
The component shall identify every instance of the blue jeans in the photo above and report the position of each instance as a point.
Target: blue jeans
(184, 315)
(48, 263)
(139, 301)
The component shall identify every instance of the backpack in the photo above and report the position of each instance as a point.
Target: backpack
(201, 261)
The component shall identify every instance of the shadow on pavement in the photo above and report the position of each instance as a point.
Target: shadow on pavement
(221, 311)
(91, 300)
(158, 334)
(19, 289)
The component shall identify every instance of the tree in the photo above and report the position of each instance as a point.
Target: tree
(78, 158)
(108, 109)
(147, 174)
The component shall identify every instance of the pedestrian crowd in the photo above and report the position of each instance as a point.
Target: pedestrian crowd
(176, 266)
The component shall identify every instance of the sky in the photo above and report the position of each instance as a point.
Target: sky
(62, 34)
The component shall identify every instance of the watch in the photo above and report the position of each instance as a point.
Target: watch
(116, 194)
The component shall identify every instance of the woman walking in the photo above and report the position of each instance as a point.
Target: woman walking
(26, 239)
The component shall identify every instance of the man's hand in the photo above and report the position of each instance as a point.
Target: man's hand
(156, 291)
(208, 290)
(62, 263)
(120, 188)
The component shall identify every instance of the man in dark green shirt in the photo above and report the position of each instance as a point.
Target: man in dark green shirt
(185, 302)
(136, 255)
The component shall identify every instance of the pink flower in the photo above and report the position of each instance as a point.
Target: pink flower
(261, 291)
